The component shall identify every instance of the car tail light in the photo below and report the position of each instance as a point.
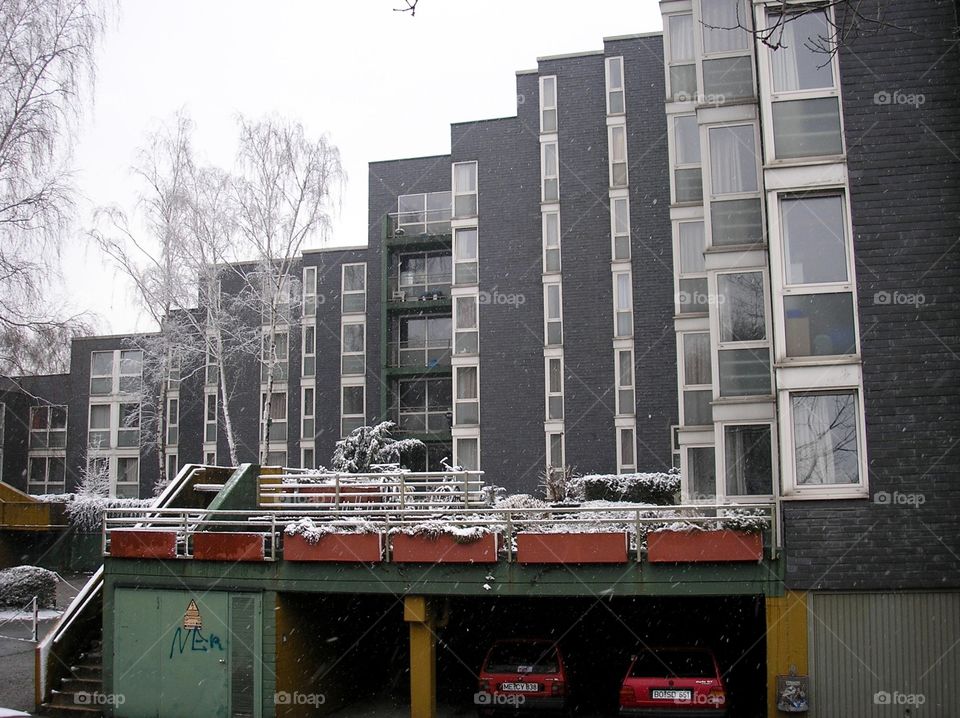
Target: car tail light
(558, 688)
(627, 696)
(716, 697)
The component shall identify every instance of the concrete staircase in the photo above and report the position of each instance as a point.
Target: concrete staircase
(80, 694)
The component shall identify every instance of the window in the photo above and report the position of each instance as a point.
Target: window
(555, 451)
(98, 434)
(744, 354)
(727, 66)
(615, 105)
(735, 218)
(210, 366)
(210, 458)
(825, 438)
(101, 373)
(131, 369)
(627, 443)
(353, 349)
(805, 102)
(465, 249)
(554, 388)
(309, 291)
(626, 403)
(424, 341)
(549, 172)
(697, 379)
(128, 477)
(618, 155)
(354, 288)
(210, 418)
(115, 372)
(818, 303)
(553, 314)
(465, 189)
(467, 408)
(687, 178)
(623, 305)
(278, 416)
(352, 409)
(46, 475)
(702, 473)
(173, 465)
(548, 104)
(128, 430)
(694, 296)
(551, 242)
(424, 273)
(424, 213)
(423, 405)
(468, 454)
(683, 70)
(275, 362)
(308, 366)
(173, 420)
(173, 373)
(307, 458)
(48, 427)
(308, 409)
(467, 336)
(620, 222)
(748, 460)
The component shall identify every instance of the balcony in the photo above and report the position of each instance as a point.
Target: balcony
(420, 354)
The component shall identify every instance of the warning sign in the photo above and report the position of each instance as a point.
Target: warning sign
(192, 618)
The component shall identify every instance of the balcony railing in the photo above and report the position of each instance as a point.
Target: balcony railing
(420, 354)
(423, 421)
(412, 287)
(415, 224)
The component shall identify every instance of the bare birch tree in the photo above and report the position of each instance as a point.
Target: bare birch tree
(287, 187)
(46, 60)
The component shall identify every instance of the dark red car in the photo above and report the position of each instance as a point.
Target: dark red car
(674, 683)
(523, 675)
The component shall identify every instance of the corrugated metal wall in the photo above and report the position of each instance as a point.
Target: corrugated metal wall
(892, 654)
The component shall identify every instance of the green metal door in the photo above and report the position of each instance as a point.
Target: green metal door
(184, 653)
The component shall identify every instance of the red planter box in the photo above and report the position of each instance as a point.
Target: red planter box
(442, 549)
(213, 546)
(704, 546)
(131, 543)
(365, 548)
(609, 547)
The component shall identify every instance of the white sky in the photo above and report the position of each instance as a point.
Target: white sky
(381, 84)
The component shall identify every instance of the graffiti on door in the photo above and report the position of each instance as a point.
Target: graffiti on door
(190, 635)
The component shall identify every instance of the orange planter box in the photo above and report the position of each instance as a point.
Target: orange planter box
(610, 547)
(704, 546)
(131, 543)
(365, 548)
(214, 546)
(442, 549)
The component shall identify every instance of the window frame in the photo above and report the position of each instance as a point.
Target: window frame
(456, 194)
(670, 62)
(547, 176)
(682, 376)
(711, 196)
(309, 291)
(546, 218)
(546, 108)
(308, 409)
(717, 345)
(283, 422)
(459, 262)
(681, 274)
(617, 200)
(173, 421)
(721, 454)
(618, 309)
(676, 165)
(308, 351)
(46, 484)
(47, 430)
(353, 355)
(611, 89)
(622, 466)
(210, 426)
(551, 392)
(549, 319)
(346, 294)
(466, 331)
(549, 437)
(621, 387)
(458, 373)
(281, 370)
(614, 147)
(705, 56)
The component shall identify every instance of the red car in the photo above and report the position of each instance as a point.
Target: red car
(521, 675)
(674, 683)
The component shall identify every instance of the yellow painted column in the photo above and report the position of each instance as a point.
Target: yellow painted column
(418, 612)
(787, 644)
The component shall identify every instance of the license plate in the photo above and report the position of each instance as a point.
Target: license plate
(520, 687)
(670, 695)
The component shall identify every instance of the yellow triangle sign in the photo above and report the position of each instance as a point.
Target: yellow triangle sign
(192, 618)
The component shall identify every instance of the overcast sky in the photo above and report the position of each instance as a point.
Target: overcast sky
(380, 83)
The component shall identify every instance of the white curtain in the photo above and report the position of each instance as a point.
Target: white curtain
(691, 247)
(785, 73)
(722, 25)
(681, 38)
(733, 162)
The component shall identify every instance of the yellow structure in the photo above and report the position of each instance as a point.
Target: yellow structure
(787, 643)
(421, 615)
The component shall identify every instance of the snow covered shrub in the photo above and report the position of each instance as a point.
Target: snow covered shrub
(20, 584)
(657, 488)
(555, 482)
(313, 531)
(366, 447)
(86, 512)
(434, 528)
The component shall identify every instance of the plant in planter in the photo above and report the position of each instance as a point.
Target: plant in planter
(307, 540)
(736, 537)
(659, 488)
(444, 542)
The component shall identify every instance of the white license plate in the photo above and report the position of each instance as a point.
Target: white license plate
(671, 695)
(520, 687)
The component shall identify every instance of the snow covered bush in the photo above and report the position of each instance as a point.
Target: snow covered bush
(521, 501)
(434, 528)
(313, 531)
(657, 488)
(86, 511)
(20, 584)
(556, 482)
(367, 447)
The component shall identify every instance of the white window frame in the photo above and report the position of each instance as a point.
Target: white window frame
(680, 274)
(548, 318)
(548, 174)
(46, 485)
(456, 450)
(308, 350)
(210, 426)
(682, 375)
(615, 202)
(717, 345)
(458, 374)
(623, 467)
(281, 370)
(46, 432)
(429, 215)
(352, 417)
(671, 62)
(459, 261)
(675, 165)
(710, 196)
(309, 291)
(631, 409)
(548, 436)
(547, 218)
(457, 193)
(617, 144)
(611, 88)
(308, 410)
(175, 458)
(700, 45)
(345, 293)
(210, 370)
(619, 302)
(285, 420)
(466, 330)
(685, 483)
(546, 108)
(117, 374)
(721, 454)
(362, 352)
(311, 463)
(173, 421)
(550, 391)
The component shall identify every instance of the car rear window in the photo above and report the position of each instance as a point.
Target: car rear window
(523, 658)
(679, 664)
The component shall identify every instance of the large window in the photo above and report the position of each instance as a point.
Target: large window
(467, 334)
(626, 402)
(424, 341)
(128, 477)
(826, 444)
(615, 104)
(309, 291)
(468, 395)
(424, 213)
(748, 459)
(555, 459)
(210, 418)
(353, 349)
(693, 295)
(620, 225)
(744, 355)
(352, 410)
(46, 475)
(702, 473)
(554, 369)
(805, 102)
(275, 362)
(354, 285)
(553, 316)
(278, 416)
(735, 214)
(425, 273)
(549, 172)
(423, 405)
(468, 453)
(466, 253)
(697, 381)
(99, 431)
(551, 242)
(548, 104)
(173, 421)
(617, 135)
(309, 340)
(128, 427)
(308, 408)
(623, 304)
(727, 64)
(687, 176)
(48, 427)
(115, 372)
(681, 56)
(627, 451)
(465, 189)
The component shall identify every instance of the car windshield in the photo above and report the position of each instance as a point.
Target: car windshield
(679, 664)
(522, 658)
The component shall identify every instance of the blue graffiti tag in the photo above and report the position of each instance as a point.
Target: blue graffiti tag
(195, 640)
